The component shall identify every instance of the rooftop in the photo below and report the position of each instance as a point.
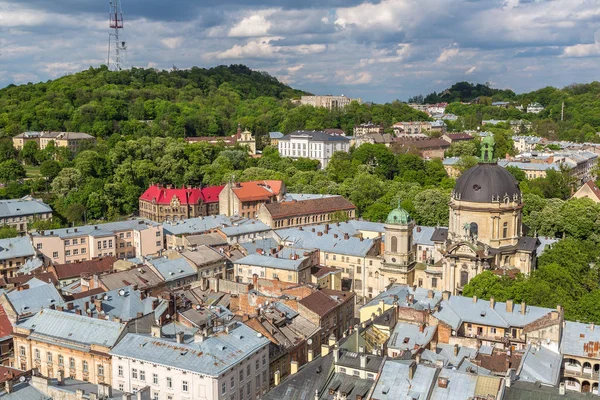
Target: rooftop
(202, 256)
(411, 337)
(324, 301)
(403, 294)
(327, 242)
(196, 225)
(78, 268)
(212, 357)
(24, 206)
(16, 247)
(186, 196)
(172, 269)
(271, 262)
(540, 364)
(143, 277)
(580, 340)
(308, 207)
(33, 299)
(99, 230)
(257, 190)
(315, 136)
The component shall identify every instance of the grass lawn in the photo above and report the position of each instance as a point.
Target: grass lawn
(32, 172)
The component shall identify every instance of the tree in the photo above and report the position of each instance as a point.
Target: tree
(7, 150)
(67, 180)
(431, 207)
(466, 162)
(29, 152)
(7, 232)
(11, 170)
(49, 169)
(75, 213)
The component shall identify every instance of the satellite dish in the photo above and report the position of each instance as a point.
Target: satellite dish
(122, 292)
(198, 307)
(309, 341)
(168, 316)
(22, 379)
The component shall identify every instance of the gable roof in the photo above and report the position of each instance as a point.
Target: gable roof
(257, 190)
(16, 247)
(78, 268)
(591, 187)
(324, 301)
(308, 207)
(186, 196)
(24, 206)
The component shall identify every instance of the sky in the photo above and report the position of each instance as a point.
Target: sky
(377, 50)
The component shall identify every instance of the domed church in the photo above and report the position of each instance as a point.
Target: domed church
(485, 228)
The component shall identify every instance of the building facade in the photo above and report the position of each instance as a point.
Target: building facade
(71, 140)
(160, 204)
(244, 198)
(306, 212)
(369, 127)
(14, 253)
(328, 101)
(315, 145)
(19, 213)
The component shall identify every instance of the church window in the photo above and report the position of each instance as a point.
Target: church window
(394, 244)
(464, 278)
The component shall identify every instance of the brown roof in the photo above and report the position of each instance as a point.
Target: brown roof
(459, 136)
(425, 143)
(78, 268)
(6, 328)
(142, 276)
(7, 373)
(308, 207)
(324, 301)
(44, 276)
(593, 188)
(320, 271)
(87, 293)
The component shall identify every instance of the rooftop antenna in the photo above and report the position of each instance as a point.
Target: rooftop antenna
(117, 48)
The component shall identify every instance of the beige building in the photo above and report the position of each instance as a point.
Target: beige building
(245, 138)
(306, 212)
(367, 128)
(71, 140)
(14, 253)
(244, 198)
(329, 102)
(81, 353)
(588, 190)
(581, 357)
(19, 213)
(294, 269)
(124, 239)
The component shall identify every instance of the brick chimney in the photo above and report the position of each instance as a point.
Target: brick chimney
(346, 236)
(509, 306)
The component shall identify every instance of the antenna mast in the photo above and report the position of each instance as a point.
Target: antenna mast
(117, 49)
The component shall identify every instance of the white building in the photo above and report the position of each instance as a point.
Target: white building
(229, 365)
(535, 108)
(328, 101)
(316, 145)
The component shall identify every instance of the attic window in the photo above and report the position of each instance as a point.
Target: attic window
(476, 187)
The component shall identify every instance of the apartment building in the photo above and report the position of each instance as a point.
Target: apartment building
(581, 357)
(295, 269)
(369, 127)
(306, 212)
(331, 310)
(534, 108)
(71, 140)
(166, 203)
(229, 364)
(124, 239)
(14, 253)
(244, 198)
(19, 213)
(81, 353)
(328, 101)
(315, 145)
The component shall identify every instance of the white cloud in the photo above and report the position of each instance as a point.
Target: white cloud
(172, 42)
(264, 48)
(470, 70)
(295, 68)
(252, 26)
(447, 54)
(358, 78)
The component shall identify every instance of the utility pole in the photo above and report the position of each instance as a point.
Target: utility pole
(117, 49)
(562, 112)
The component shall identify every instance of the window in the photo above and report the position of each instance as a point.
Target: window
(100, 370)
(223, 388)
(82, 241)
(121, 235)
(248, 389)
(264, 360)
(184, 386)
(358, 269)
(155, 396)
(74, 241)
(158, 234)
(505, 230)
(83, 250)
(37, 354)
(71, 363)
(38, 246)
(158, 243)
(49, 357)
(232, 382)
(75, 252)
(121, 245)
(241, 393)
(356, 373)
(67, 242)
(257, 381)
(248, 371)
(55, 254)
(67, 252)
(99, 245)
(264, 377)
(121, 387)
(134, 373)
(241, 375)
(120, 370)
(169, 382)
(128, 234)
(434, 283)
(142, 375)
(155, 379)
(85, 366)
(22, 351)
(257, 365)
(394, 244)
(334, 257)
(110, 243)
(492, 330)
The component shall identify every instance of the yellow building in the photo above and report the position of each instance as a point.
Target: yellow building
(295, 269)
(54, 341)
(71, 140)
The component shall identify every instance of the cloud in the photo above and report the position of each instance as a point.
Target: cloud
(447, 54)
(470, 70)
(252, 26)
(172, 42)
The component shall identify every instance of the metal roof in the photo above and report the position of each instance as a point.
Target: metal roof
(271, 262)
(246, 228)
(16, 247)
(400, 293)
(394, 382)
(99, 230)
(328, 243)
(21, 207)
(72, 329)
(575, 336)
(172, 269)
(212, 357)
(39, 295)
(316, 136)
(195, 225)
(406, 336)
(540, 364)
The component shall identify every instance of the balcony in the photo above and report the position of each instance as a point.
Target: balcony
(576, 372)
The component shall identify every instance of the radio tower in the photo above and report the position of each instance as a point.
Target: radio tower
(117, 49)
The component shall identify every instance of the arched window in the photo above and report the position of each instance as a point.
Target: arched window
(394, 244)
(473, 229)
(464, 278)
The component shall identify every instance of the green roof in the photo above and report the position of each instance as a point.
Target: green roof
(398, 216)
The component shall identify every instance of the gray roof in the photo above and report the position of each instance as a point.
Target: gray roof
(264, 244)
(439, 235)
(302, 386)
(30, 265)
(99, 230)
(305, 196)
(422, 235)
(206, 239)
(459, 309)
(202, 256)
(540, 364)
(195, 225)
(252, 226)
(16, 247)
(212, 357)
(400, 293)
(575, 336)
(21, 207)
(271, 262)
(172, 269)
(521, 390)
(24, 391)
(77, 331)
(545, 243)
(39, 295)
(406, 336)
(393, 383)
(352, 386)
(275, 135)
(327, 242)
(351, 359)
(529, 166)
(445, 353)
(461, 385)
(468, 366)
(316, 136)
(484, 182)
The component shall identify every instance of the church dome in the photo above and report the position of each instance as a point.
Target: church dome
(487, 183)
(398, 216)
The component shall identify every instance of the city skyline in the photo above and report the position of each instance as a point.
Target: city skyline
(379, 51)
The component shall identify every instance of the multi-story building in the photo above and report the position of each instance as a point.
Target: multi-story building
(535, 108)
(14, 252)
(330, 102)
(244, 198)
(71, 140)
(369, 127)
(122, 239)
(58, 342)
(588, 190)
(581, 357)
(274, 138)
(241, 138)
(331, 310)
(229, 364)
(306, 212)
(295, 269)
(315, 145)
(19, 213)
(410, 128)
(159, 203)
(526, 144)
(373, 138)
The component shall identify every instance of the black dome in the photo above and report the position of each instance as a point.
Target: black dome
(486, 183)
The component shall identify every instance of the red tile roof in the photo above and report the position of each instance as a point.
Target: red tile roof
(257, 190)
(324, 301)
(6, 328)
(44, 276)
(309, 207)
(186, 196)
(7, 373)
(87, 293)
(76, 269)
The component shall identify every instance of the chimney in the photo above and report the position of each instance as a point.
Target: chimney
(78, 311)
(455, 350)
(69, 306)
(346, 236)
(331, 340)
(492, 303)
(442, 382)
(509, 306)
(411, 371)
(8, 386)
(293, 367)
(474, 299)
(199, 337)
(421, 328)
(430, 294)
(179, 337)
(154, 304)
(324, 350)
(156, 331)
(335, 235)
(592, 327)
(255, 280)
(523, 308)
(418, 229)
(336, 354)
(363, 361)
(445, 295)
(310, 355)
(561, 389)
(277, 377)
(319, 233)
